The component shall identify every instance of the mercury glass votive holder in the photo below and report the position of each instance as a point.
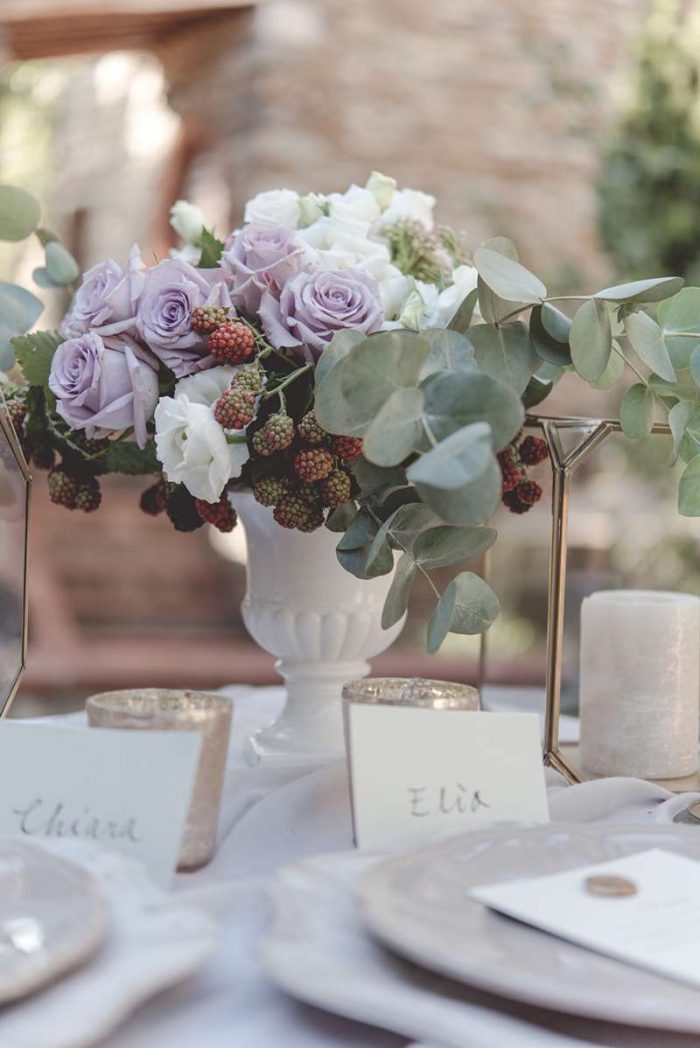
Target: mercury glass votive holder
(412, 691)
(161, 709)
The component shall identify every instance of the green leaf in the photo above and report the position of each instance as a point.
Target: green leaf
(690, 443)
(212, 250)
(613, 372)
(460, 478)
(19, 213)
(694, 365)
(505, 353)
(440, 547)
(550, 347)
(591, 340)
(507, 278)
(340, 519)
(467, 606)
(647, 340)
(19, 310)
(400, 529)
(678, 418)
(41, 278)
(396, 601)
(463, 317)
(653, 290)
(454, 401)
(396, 429)
(35, 353)
(125, 457)
(541, 385)
(679, 318)
(636, 410)
(356, 546)
(689, 489)
(373, 479)
(449, 351)
(339, 347)
(61, 267)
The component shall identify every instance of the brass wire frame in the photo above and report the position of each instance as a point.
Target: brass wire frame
(8, 432)
(563, 465)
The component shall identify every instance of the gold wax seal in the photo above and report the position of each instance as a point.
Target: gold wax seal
(610, 884)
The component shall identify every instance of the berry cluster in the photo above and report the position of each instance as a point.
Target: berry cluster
(520, 492)
(232, 342)
(73, 492)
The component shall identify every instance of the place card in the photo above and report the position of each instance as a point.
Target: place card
(127, 791)
(421, 773)
(649, 915)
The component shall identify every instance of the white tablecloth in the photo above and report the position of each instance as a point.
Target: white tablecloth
(273, 816)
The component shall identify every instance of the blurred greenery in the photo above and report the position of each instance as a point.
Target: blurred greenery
(650, 177)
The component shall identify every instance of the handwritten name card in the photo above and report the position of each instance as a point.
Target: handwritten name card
(128, 791)
(421, 773)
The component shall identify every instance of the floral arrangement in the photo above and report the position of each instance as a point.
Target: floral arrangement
(343, 359)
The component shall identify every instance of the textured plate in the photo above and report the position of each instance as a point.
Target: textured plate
(418, 904)
(52, 917)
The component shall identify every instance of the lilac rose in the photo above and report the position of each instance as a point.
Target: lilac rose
(105, 385)
(311, 307)
(172, 291)
(256, 257)
(107, 299)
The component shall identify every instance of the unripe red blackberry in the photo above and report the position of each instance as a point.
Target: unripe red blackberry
(275, 434)
(268, 491)
(313, 464)
(251, 377)
(511, 468)
(181, 509)
(347, 448)
(533, 450)
(17, 410)
(221, 514)
(235, 408)
(88, 496)
(313, 521)
(63, 488)
(529, 492)
(310, 431)
(206, 319)
(233, 342)
(335, 489)
(153, 499)
(292, 511)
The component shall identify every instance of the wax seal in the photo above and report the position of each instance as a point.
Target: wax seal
(610, 885)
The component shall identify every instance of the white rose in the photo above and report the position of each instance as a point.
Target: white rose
(193, 449)
(205, 387)
(355, 205)
(277, 207)
(382, 189)
(188, 221)
(411, 204)
(339, 244)
(464, 281)
(394, 285)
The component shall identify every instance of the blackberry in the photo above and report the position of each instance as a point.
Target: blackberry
(206, 319)
(533, 450)
(181, 509)
(335, 489)
(232, 343)
(275, 434)
(313, 464)
(63, 488)
(347, 448)
(529, 492)
(514, 502)
(43, 456)
(235, 408)
(153, 499)
(17, 410)
(310, 431)
(89, 496)
(251, 377)
(268, 491)
(292, 511)
(221, 514)
(313, 521)
(511, 468)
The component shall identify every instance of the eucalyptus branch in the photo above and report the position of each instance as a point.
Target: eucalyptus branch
(286, 382)
(402, 546)
(630, 364)
(550, 298)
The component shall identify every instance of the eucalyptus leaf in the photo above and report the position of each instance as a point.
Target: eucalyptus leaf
(373, 479)
(356, 546)
(19, 213)
(652, 290)
(552, 349)
(19, 310)
(495, 310)
(468, 606)
(505, 353)
(463, 317)
(339, 347)
(613, 372)
(455, 400)
(396, 429)
(679, 319)
(689, 489)
(591, 340)
(648, 342)
(507, 278)
(694, 365)
(678, 418)
(636, 411)
(460, 478)
(396, 601)
(409, 521)
(61, 267)
(42, 279)
(449, 351)
(541, 384)
(689, 446)
(340, 519)
(442, 546)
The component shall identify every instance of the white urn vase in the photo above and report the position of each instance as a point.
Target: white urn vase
(320, 622)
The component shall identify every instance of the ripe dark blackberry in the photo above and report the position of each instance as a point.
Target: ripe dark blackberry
(206, 319)
(89, 496)
(314, 520)
(251, 377)
(43, 456)
(529, 492)
(292, 511)
(347, 448)
(233, 342)
(221, 514)
(181, 509)
(275, 434)
(235, 408)
(335, 489)
(514, 502)
(312, 464)
(269, 490)
(63, 488)
(533, 450)
(153, 499)
(310, 431)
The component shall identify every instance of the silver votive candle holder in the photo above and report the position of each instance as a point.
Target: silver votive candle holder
(162, 709)
(412, 691)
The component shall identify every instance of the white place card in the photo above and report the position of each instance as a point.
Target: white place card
(657, 928)
(421, 773)
(128, 791)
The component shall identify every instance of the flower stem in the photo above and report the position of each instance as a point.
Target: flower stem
(287, 381)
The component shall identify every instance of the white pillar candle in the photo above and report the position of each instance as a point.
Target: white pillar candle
(640, 683)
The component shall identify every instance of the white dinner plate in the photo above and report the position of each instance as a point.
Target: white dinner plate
(52, 917)
(418, 904)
